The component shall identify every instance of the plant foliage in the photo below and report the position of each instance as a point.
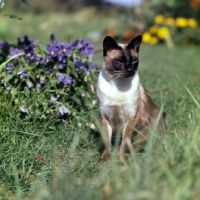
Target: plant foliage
(61, 73)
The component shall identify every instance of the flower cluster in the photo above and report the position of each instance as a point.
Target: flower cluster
(61, 67)
(195, 4)
(180, 22)
(164, 28)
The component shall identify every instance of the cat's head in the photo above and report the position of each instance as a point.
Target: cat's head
(121, 60)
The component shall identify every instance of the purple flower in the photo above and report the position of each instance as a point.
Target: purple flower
(15, 52)
(41, 84)
(24, 110)
(29, 84)
(22, 74)
(3, 47)
(80, 65)
(49, 71)
(60, 66)
(30, 55)
(63, 110)
(67, 80)
(63, 62)
(53, 51)
(3, 44)
(61, 77)
(95, 66)
(53, 99)
(8, 88)
(75, 44)
(66, 48)
(9, 68)
(47, 59)
(86, 48)
(42, 80)
(24, 42)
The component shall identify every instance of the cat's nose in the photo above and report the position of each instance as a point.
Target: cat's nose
(129, 70)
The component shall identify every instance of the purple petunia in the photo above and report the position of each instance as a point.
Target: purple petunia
(65, 48)
(60, 66)
(53, 51)
(42, 80)
(49, 71)
(3, 46)
(29, 84)
(47, 59)
(86, 48)
(95, 66)
(65, 80)
(63, 110)
(61, 77)
(22, 74)
(15, 52)
(30, 55)
(80, 65)
(24, 42)
(53, 99)
(62, 62)
(75, 44)
(8, 88)
(9, 68)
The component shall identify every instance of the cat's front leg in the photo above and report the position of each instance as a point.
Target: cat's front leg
(126, 138)
(106, 136)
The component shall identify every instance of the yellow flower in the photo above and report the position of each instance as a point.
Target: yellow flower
(159, 19)
(153, 40)
(169, 21)
(153, 29)
(192, 23)
(146, 37)
(163, 32)
(181, 22)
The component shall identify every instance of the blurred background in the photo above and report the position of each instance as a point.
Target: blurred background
(172, 22)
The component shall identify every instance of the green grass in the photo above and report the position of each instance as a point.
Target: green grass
(169, 168)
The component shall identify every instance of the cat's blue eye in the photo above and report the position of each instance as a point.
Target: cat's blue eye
(134, 60)
(118, 60)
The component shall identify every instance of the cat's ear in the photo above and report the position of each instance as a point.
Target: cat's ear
(135, 43)
(109, 44)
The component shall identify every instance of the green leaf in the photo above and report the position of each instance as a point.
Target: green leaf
(9, 77)
(77, 100)
(13, 92)
(26, 92)
(40, 51)
(86, 78)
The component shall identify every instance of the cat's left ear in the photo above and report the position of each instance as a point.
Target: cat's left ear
(135, 43)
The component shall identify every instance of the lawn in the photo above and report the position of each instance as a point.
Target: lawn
(51, 159)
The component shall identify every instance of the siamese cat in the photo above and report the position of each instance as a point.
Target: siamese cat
(124, 104)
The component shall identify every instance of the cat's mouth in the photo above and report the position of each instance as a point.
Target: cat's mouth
(123, 74)
(128, 73)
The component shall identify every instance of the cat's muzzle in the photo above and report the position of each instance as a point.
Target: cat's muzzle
(129, 71)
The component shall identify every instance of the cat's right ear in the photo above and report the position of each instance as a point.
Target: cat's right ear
(109, 44)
